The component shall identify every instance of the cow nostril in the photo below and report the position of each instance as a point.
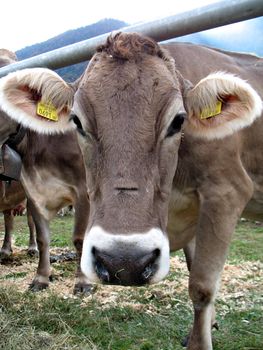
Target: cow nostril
(147, 273)
(156, 253)
(102, 272)
(150, 266)
(99, 267)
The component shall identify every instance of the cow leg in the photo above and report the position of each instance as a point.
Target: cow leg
(82, 284)
(41, 280)
(6, 249)
(212, 241)
(32, 244)
(203, 285)
(189, 252)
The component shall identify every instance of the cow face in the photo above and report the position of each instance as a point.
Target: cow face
(129, 108)
(129, 111)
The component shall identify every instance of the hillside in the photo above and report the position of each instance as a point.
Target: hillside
(70, 37)
(244, 36)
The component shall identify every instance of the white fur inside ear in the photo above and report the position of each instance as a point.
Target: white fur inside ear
(242, 108)
(49, 85)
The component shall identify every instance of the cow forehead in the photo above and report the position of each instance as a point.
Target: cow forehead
(128, 70)
(127, 89)
(149, 71)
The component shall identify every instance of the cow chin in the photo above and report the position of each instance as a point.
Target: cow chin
(125, 259)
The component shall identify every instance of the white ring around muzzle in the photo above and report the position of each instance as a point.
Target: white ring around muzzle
(147, 242)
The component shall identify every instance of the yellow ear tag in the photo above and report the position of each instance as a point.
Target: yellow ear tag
(47, 110)
(208, 112)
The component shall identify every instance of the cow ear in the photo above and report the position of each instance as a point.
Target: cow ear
(219, 105)
(37, 98)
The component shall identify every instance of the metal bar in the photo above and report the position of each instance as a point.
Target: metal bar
(196, 20)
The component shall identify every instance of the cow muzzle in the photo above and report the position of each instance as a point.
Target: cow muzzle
(130, 259)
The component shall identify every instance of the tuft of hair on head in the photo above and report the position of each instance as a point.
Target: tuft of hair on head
(130, 46)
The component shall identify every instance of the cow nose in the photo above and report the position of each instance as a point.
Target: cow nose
(118, 268)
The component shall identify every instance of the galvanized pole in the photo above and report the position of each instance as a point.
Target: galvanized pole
(196, 20)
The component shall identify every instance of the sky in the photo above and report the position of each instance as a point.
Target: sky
(27, 22)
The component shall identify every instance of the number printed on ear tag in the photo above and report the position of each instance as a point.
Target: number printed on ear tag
(211, 112)
(47, 110)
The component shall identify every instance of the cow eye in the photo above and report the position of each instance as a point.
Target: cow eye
(176, 124)
(78, 124)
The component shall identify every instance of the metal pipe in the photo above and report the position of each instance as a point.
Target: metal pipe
(196, 20)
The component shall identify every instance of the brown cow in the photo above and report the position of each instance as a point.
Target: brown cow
(53, 176)
(52, 179)
(12, 203)
(12, 194)
(129, 109)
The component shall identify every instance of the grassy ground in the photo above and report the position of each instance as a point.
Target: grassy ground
(124, 318)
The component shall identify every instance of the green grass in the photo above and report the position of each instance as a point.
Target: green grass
(113, 328)
(146, 318)
(60, 227)
(247, 242)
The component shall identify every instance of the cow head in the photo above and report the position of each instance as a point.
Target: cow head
(128, 108)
